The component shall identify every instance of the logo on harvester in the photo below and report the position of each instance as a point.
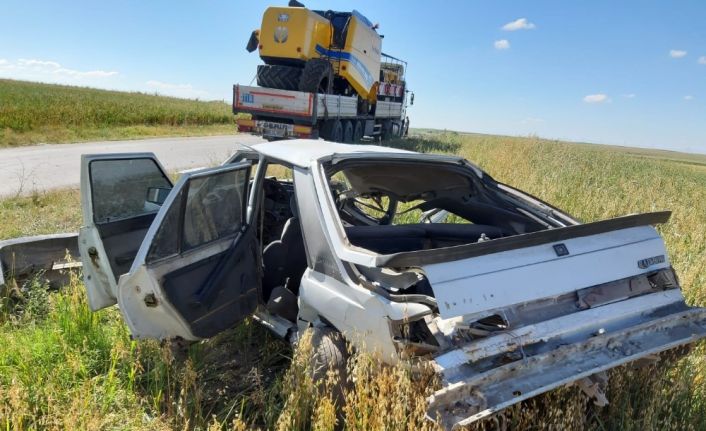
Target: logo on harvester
(646, 263)
(281, 34)
(283, 17)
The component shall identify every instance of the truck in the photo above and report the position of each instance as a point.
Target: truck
(412, 257)
(326, 76)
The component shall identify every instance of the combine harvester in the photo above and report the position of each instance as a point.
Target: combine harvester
(325, 76)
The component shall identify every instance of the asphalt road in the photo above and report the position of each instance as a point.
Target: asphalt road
(24, 170)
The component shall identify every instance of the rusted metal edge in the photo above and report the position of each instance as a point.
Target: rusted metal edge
(25, 257)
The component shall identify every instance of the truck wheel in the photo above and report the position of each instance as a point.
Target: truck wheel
(280, 77)
(386, 131)
(347, 132)
(335, 131)
(332, 130)
(358, 131)
(316, 77)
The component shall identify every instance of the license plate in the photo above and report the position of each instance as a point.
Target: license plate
(275, 129)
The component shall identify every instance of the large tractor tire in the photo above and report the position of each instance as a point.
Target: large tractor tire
(317, 76)
(279, 77)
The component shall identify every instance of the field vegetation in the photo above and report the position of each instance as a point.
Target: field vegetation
(62, 366)
(33, 113)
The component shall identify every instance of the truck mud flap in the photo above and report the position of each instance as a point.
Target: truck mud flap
(471, 394)
(45, 255)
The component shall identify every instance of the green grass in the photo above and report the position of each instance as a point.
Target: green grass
(62, 367)
(45, 113)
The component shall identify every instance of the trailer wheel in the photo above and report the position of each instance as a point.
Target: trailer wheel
(317, 76)
(280, 77)
(358, 131)
(332, 130)
(386, 131)
(347, 132)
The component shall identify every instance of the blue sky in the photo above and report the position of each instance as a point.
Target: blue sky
(626, 73)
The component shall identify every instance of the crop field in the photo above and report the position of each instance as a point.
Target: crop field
(33, 113)
(63, 367)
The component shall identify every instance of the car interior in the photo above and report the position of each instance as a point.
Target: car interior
(387, 206)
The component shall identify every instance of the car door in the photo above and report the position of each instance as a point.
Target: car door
(197, 270)
(117, 212)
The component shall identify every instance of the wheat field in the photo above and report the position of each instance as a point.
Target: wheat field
(63, 367)
(33, 113)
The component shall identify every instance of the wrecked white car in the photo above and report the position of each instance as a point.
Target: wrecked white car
(408, 255)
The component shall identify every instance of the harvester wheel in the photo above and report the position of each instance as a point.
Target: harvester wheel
(280, 77)
(317, 76)
(358, 131)
(347, 132)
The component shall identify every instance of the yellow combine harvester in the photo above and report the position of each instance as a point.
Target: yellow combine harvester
(331, 77)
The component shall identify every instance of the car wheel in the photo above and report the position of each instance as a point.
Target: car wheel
(329, 352)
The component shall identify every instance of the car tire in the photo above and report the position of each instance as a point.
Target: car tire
(329, 352)
(347, 132)
(279, 77)
(317, 76)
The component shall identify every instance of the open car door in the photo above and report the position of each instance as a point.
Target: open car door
(197, 269)
(117, 212)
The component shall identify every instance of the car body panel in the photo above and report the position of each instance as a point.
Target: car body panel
(471, 285)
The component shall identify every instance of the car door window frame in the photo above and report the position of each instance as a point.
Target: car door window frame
(145, 156)
(181, 188)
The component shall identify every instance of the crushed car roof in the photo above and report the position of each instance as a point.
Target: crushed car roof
(301, 152)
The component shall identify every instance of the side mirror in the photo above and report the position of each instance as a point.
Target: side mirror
(253, 42)
(157, 195)
(411, 99)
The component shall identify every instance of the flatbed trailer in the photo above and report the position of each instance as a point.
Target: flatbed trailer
(285, 114)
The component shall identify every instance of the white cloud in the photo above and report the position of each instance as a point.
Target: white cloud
(688, 97)
(51, 71)
(177, 90)
(702, 59)
(596, 98)
(677, 53)
(501, 44)
(630, 95)
(519, 24)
